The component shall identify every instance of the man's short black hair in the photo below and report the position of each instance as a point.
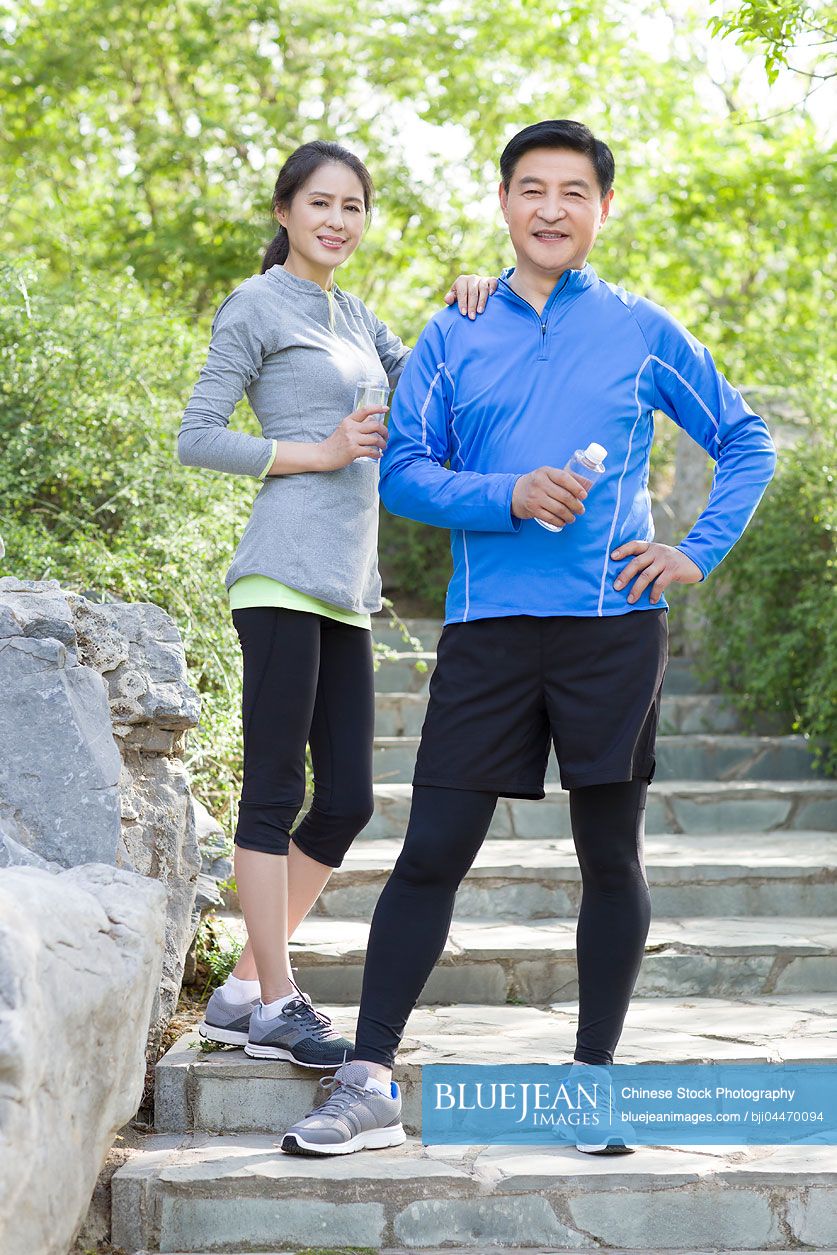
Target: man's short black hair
(561, 133)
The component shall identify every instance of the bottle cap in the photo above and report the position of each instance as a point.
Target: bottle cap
(595, 452)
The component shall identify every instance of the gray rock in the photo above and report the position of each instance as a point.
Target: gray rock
(216, 864)
(187, 1222)
(39, 608)
(478, 1222)
(14, 854)
(101, 689)
(79, 971)
(59, 782)
(678, 1218)
(148, 684)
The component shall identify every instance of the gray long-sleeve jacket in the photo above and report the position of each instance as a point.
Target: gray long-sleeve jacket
(298, 353)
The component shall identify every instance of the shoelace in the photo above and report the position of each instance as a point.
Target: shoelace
(337, 1102)
(302, 1009)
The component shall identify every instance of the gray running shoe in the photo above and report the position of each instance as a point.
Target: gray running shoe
(227, 1022)
(298, 1033)
(349, 1118)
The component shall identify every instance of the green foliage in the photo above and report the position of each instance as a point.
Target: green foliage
(216, 953)
(93, 378)
(775, 26)
(772, 605)
(140, 145)
(415, 563)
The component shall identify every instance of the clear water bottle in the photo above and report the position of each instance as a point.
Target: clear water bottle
(586, 465)
(371, 392)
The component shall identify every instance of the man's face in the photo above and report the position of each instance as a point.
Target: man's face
(554, 209)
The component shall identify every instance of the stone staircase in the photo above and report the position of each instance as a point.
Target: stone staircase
(740, 966)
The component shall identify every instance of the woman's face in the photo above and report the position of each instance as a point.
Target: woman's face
(326, 217)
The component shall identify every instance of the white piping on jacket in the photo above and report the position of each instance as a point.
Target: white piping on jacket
(650, 358)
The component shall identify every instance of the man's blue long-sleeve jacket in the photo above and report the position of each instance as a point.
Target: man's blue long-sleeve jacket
(513, 390)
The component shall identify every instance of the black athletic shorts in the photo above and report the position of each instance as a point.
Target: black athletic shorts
(505, 688)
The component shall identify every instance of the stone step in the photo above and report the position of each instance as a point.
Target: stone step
(490, 961)
(402, 714)
(695, 756)
(405, 671)
(729, 874)
(674, 806)
(197, 1193)
(224, 1091)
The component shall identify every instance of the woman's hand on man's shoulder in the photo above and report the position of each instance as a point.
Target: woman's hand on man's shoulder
(471, 293)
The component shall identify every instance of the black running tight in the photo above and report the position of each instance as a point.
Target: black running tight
(307, 679)
(413, 915)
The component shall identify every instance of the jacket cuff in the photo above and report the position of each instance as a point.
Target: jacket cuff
(701, 566)
(274, 444)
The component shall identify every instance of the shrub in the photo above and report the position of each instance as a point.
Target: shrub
(771, 609)
(93, 379)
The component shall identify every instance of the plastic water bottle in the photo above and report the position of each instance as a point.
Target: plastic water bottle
(586, 465)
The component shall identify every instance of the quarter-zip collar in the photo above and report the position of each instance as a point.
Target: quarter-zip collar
(572, 282)
(297, 287)
(300, 286)
(570, 286)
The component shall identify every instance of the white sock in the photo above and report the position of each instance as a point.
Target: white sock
(237, 990)
(380, 1087)
(268, 1010)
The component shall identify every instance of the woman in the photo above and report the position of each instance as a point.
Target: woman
(304, 579)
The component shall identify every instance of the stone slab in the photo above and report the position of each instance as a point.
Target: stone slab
(225, 1091)
(491, 960)
(674, 806)
(729, 874)
(718, 1196)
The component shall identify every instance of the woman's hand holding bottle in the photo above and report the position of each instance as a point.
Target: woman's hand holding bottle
(360, 435)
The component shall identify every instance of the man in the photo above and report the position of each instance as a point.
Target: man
(549, 637)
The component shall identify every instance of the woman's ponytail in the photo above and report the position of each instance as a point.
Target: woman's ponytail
(277, 250)
(296, 171)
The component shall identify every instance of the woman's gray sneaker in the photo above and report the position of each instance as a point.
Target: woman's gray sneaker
(349, 1118)
(298, 1033)
(227, 1022)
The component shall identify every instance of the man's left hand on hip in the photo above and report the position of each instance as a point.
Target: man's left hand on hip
(661, 564)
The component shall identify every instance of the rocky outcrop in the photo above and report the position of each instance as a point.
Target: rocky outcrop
(96, 708)
(216, 864)
(59, 763)
(79, 973)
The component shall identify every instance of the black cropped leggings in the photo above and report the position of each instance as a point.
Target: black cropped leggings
(413, 915)
(307, 680)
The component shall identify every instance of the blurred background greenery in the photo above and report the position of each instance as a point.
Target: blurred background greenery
(140, 144)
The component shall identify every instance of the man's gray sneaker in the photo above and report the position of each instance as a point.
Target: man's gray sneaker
(612, 1134)
(298, 1033)
(349, 1117)
(227, 1022)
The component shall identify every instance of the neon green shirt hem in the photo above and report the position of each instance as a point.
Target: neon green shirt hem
(261, 590)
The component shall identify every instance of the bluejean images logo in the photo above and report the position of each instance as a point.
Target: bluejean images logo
(652, 1105)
